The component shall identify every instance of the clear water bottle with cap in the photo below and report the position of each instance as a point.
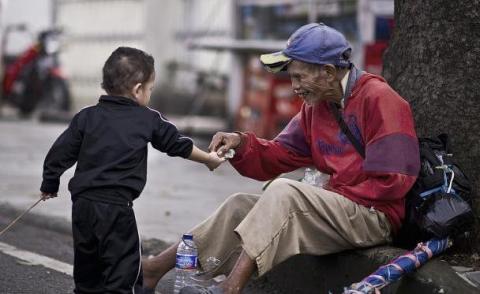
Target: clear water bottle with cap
(314, 177)
(186, 263)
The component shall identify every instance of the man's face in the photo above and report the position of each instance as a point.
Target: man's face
(309, 81)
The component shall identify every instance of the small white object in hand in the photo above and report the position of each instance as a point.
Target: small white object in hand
(229, 154)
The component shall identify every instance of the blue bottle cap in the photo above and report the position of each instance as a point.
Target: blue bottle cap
(187, 236)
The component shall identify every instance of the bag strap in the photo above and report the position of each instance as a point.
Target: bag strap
(346, 130)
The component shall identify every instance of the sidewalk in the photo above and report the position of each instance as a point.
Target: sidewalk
(178, 194)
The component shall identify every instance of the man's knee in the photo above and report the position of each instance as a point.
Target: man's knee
(239, 204)
(241, 199)
(280, 184)
(282, 190)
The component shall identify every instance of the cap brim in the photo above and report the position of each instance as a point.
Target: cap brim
(275, 62)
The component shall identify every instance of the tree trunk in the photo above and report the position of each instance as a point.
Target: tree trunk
(433, 61)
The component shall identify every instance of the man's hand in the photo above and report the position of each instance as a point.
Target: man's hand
(46, 196)
(222, 142)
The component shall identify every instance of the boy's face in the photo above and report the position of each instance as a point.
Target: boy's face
(144, 91)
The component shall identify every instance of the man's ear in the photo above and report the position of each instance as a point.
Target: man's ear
(331, 71)
(136, 89)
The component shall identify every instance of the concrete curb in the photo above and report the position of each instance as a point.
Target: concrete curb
(331, 273)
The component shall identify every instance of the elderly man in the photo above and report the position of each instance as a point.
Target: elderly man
(352, 126)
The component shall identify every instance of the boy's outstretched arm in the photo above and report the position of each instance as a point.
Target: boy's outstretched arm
(211, 160)
(166, 138)
(62, 155)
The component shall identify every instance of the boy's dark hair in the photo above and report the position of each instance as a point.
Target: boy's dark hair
(125, 68)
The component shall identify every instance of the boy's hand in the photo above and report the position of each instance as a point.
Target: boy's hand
(46, 196)
(214, 161)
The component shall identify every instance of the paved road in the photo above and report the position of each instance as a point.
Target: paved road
(19, 276)
(179, 193)
(20, 273)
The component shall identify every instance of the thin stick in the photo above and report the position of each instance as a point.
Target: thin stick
(20, 216)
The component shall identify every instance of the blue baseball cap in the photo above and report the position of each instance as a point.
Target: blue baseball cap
(312, 43)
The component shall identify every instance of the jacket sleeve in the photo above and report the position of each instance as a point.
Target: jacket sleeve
(166, 138)
(263, 160)
(392, 160)
(62, 155)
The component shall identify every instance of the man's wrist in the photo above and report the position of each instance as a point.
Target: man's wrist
(242, 145)
(242, 139)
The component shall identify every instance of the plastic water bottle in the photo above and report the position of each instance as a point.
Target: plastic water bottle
(314, 177)
(186, 263)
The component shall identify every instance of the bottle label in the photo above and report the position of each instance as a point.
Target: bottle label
(186, 261)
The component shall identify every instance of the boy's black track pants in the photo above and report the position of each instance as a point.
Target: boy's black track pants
(107, 252)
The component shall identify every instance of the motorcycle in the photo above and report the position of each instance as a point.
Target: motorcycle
(34, 79)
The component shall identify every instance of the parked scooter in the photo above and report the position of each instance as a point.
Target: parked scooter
(34, 80)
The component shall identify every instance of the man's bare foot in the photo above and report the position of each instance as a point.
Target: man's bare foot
(150, 277)
(155, 267)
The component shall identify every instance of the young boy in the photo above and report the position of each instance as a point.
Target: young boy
(109, 143)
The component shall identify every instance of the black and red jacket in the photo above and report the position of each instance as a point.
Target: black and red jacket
(108, 142)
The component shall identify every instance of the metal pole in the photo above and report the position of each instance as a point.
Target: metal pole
(188, 28)
(236, 79)
(54, 13)
(312, 11)
(2, 8)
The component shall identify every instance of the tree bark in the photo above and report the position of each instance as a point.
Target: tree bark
(433, 61)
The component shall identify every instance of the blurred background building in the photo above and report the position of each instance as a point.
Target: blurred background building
(206, 51)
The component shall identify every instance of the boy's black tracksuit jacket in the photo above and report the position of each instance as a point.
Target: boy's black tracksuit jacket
(109, 143)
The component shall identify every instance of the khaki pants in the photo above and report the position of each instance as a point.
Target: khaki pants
(289, 218)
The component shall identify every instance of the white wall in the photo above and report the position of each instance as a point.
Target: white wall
(163, 19)
(168, 19)
(212, 15)
(93, 29)
(36, 14)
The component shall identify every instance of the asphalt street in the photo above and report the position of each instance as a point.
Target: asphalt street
(20, 276)
(178, 195)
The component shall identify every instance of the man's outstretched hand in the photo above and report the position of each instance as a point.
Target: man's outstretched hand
(222, 142)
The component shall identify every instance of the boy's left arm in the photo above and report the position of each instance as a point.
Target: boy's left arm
(62, 155)
(166, 138)
(211, 160)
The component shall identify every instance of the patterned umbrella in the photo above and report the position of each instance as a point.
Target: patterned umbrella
(401, 265)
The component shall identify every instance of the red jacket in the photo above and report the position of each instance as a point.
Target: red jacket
(378, 117)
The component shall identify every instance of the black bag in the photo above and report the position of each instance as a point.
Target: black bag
(439, 203)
